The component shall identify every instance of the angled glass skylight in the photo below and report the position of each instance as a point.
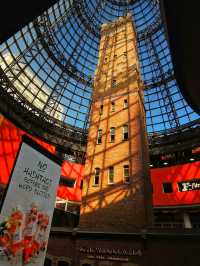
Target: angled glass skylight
(50, 64)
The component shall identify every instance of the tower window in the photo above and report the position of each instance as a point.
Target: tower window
(106, 59)
(96, 176)
(115, 56)
(99, 136)
(125, 132)
(114, 82)
(111, 175)
(125, 103)
(112, 106)
(126, 174)
(167, 188)
(101, 109)
(81, 185)
(112, 134)
(125, 53)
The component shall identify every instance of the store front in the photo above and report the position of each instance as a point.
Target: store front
(145, 248)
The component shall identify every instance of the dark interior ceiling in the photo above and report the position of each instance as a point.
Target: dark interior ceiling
(19, 15)
(183, 25)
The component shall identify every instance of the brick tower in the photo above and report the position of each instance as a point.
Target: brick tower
(116, 188)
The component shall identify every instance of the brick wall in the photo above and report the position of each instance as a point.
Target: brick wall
(118, 206)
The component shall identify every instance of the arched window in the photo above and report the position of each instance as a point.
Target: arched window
(112, 134)
(114, 82)
(111, 175)
(96, 176)
(125, 132)
(112, 106)
(47, 262)
(99, 136)
(81, 185)
(126, 174)
(101, 109)
(125, 103)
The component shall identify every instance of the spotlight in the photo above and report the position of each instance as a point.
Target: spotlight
(165, 163)
(151, 165)
(192, 159)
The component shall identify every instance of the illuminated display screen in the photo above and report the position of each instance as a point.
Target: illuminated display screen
(189, 185)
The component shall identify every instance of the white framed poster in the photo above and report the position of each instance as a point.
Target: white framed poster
(28, 206)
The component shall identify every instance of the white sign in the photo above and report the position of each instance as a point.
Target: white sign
(27, 210)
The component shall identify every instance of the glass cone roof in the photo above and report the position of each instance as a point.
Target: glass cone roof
(50, 64)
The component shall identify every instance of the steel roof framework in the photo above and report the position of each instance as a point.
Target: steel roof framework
(58, 52)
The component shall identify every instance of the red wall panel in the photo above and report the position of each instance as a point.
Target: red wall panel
(174, 174)
(10, 139)
(74, 171)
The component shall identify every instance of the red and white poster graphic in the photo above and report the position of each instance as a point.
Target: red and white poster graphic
(27, 210)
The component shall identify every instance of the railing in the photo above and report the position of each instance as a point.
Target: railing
(174, 225)
(169, 225)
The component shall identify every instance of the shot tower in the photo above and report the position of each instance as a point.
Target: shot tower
(116, 188)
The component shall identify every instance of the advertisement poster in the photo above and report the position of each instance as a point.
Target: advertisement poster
(27, 210)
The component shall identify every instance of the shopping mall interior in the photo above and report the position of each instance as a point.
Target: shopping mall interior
(111, 89)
